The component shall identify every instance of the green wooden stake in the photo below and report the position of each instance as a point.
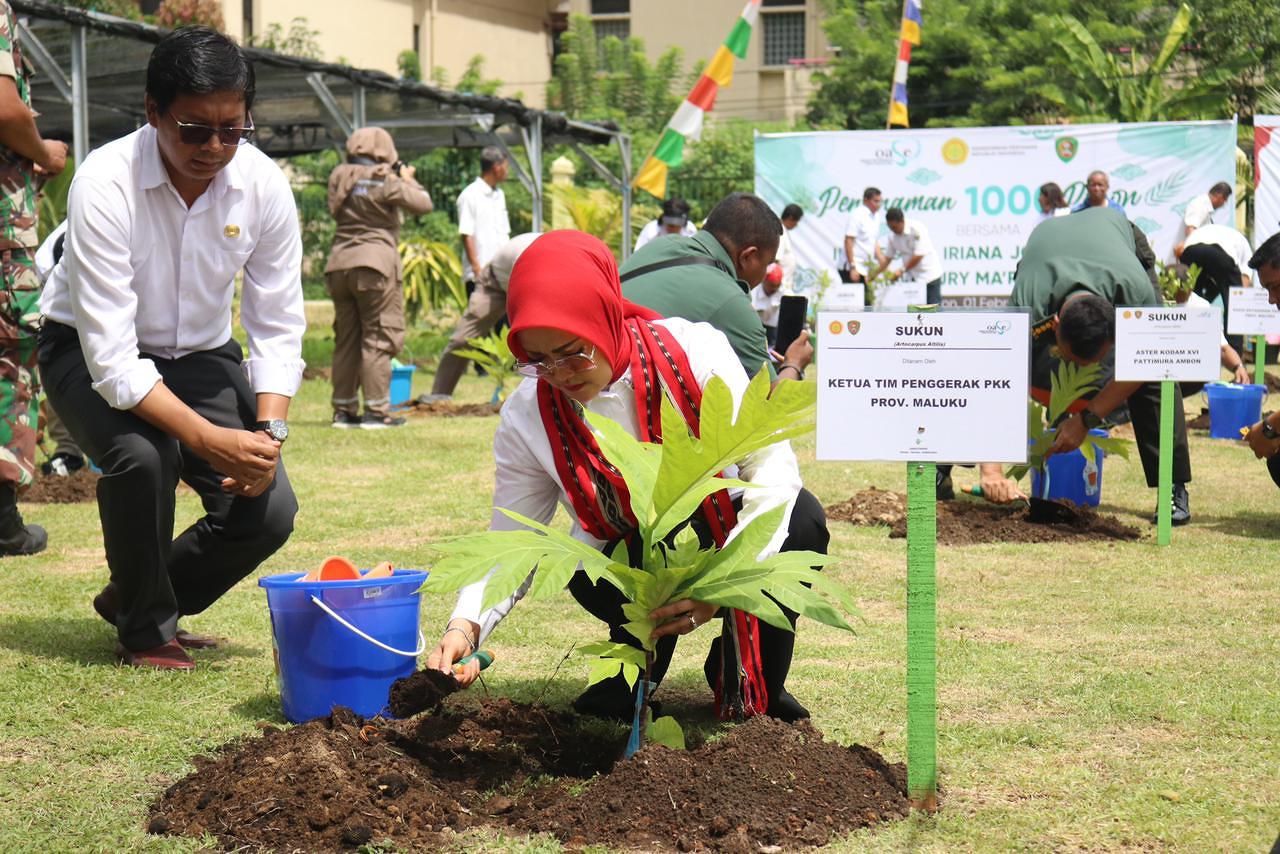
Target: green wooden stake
(1260, 360)
(1164, 491)
(922, 615)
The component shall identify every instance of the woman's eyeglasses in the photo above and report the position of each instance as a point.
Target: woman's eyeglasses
(195, 134)
(574, 364)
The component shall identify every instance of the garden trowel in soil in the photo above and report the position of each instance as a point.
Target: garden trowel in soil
(1043, 511)
(425, 690)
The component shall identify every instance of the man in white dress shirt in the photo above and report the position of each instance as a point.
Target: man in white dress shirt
(137, 355)
(482, 215)
(674, 220)
(909, 243)
(864, 230)
(1201, 209)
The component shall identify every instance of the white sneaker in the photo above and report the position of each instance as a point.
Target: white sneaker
(434, 398)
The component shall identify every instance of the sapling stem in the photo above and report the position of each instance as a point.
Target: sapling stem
(644, 693)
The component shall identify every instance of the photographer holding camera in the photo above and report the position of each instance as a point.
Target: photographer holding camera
(368, 196)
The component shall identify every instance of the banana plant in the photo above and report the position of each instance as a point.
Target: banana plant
(667, 482)
(432, 276)
(1068, 384)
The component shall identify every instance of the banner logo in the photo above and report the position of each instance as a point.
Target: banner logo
(1066, 147)
(955, 151)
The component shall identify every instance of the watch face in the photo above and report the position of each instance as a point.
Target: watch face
(277, 429)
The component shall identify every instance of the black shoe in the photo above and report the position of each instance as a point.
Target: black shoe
(344, 420)
(371, 421)
(1180, 512)
(17, 538)
(61, 464)
(944, 490)
(613, 700)
(787, 708)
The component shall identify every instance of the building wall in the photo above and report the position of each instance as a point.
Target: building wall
(760, 92)
(513, 36)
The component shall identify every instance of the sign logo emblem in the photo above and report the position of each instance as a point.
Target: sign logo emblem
(1138, 315)
(854, 326)
(955, 151)
(836, 327)
(1066, 147)
(1127, 314)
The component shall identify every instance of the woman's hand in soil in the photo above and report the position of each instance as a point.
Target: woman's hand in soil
(681, 617)
(1070, 435)
(999, 489)
(456, 643)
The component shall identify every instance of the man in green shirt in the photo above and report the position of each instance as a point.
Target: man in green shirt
(708, 278)
(1074, 271)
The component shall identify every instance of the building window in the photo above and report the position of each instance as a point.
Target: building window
(620, 27)
(783, 37)
(611, 7)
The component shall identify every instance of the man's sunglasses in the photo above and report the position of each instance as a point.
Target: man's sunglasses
(194, 134)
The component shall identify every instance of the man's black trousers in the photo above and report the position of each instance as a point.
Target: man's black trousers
(161, 578)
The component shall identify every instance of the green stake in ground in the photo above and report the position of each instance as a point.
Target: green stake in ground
(1164, 492)
(922, 616)
(1260, 360)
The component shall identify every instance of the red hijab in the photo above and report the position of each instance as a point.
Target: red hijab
(568, 280)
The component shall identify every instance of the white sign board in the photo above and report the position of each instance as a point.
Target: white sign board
(901, 294)
(1178, 343)
(976, 189)
(948, 387)
(844, 296)
(1251, 314)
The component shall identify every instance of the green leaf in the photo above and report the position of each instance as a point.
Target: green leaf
(687, 461)
(1068, 384)
(636, 461)
(667, 732)
(600, 669)
(617, 651)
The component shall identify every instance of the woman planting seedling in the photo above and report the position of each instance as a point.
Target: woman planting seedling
(629, 423)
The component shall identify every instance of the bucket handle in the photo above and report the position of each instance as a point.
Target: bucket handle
(422, 643)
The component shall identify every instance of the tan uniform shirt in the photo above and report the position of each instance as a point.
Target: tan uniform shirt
(368, 232)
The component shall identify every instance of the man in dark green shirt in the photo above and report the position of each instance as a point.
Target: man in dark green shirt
(1074, 271)
(709, 277)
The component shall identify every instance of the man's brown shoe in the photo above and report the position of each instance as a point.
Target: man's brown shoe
(166, 656)
(107, 604)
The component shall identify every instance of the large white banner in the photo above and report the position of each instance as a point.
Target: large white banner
(1266, 170)
(976, 189)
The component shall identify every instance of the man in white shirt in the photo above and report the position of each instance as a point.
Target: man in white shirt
(1201, 209)
(860, 238)
(790, 216)
(482, 215)
(137, 355)
(674, 220)
(1222, 253)
(909, 243)
(766, 299)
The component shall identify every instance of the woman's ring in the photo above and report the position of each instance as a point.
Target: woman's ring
(693, 622)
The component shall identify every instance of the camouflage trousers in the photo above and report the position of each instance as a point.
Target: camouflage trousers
(19, 388)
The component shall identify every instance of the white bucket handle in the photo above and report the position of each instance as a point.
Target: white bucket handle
(422, 643)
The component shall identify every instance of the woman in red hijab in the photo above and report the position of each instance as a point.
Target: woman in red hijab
(582, 346)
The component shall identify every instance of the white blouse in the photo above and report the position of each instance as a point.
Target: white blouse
(526, 480)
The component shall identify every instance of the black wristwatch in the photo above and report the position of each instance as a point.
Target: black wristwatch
(1090, 418)
(276, 428)
(1267, 429)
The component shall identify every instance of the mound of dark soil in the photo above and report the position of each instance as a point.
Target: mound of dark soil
(448, 409)
(75, 488)
(343, 782)
(1200, 422)
(966, 522)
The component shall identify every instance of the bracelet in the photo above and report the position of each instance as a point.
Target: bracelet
(464, 634)
(799, 372)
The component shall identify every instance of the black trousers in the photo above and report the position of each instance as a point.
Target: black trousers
(807, 532)
(1218, 274)
(1144, 409)
(161, 578)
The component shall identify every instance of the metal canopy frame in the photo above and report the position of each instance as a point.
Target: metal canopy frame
(302, 105)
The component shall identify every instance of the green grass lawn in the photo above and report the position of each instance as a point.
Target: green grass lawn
(1115, 697)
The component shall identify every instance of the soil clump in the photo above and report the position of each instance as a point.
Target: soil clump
(447, 409)
(967, 522)
(76, 488)
(341, 782)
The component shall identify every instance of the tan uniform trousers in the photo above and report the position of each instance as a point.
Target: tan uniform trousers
(368, 330)
(487, 304)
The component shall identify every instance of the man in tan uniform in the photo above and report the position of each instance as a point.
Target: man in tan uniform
(368, 196)
(25, 159)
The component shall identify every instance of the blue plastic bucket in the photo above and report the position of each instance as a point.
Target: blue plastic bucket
(1232, 407)
(402, 383)
(1072, 476)
(342, 642)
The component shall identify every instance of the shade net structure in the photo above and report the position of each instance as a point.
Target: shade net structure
(91, 74)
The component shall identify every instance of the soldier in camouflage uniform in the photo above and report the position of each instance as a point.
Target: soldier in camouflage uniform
(25, 160)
